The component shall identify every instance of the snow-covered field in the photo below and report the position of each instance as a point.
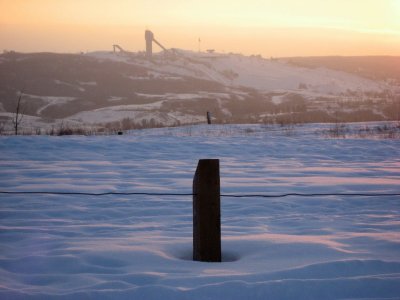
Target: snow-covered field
(139, 247)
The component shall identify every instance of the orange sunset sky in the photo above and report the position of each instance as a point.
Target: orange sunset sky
(270, 28)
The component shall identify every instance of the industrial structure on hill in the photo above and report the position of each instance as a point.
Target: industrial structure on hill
(149, 37)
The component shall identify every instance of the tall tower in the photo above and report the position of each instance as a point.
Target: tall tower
(149, 36)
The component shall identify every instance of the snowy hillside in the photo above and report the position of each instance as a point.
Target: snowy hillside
(139, 247)
(125, 90)
(253, 72)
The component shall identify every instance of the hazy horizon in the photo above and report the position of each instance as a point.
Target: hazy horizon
(286, 28)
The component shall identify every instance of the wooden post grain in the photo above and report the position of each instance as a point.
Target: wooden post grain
(207, 212)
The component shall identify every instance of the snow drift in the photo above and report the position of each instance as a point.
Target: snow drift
(139, 247)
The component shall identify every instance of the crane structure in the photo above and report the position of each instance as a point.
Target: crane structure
(149, 37)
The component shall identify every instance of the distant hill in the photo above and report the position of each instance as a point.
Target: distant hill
(373, 67)
(106, 88)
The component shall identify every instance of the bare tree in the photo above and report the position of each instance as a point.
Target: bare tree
(18, 115)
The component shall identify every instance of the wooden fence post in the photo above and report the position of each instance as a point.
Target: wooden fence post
(208, 118)
(207, 212)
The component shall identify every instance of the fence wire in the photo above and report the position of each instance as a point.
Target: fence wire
(191, 194)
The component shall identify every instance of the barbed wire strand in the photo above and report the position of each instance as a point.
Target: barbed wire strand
(94, 194)
(191, 194)
(311, 195)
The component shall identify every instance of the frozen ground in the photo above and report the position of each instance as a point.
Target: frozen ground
(139, 247)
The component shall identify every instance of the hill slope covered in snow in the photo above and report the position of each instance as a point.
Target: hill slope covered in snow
(105, 88)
